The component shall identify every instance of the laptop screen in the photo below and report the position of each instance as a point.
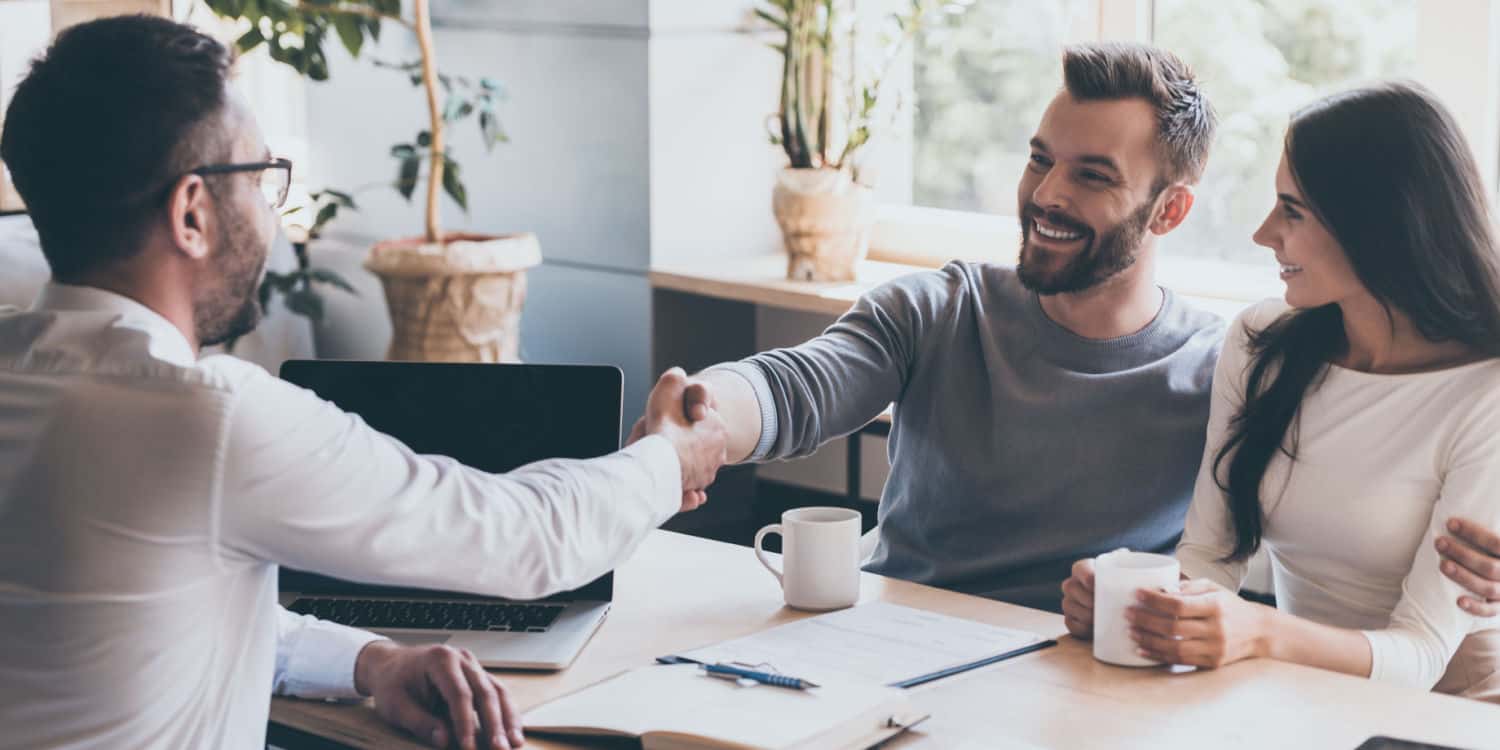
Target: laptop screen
(489, 416)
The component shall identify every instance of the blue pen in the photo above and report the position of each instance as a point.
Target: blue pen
(766, 678)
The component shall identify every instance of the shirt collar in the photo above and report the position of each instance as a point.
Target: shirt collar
(166, 341)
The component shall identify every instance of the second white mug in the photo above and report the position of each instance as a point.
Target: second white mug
(820, 557)
(1118, 576)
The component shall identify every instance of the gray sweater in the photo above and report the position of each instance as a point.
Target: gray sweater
(1018, 446)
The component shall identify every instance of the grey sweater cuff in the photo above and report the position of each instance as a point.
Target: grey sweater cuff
(762, 387)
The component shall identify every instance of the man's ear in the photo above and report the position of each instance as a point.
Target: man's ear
(1176, 200)
(189, 213)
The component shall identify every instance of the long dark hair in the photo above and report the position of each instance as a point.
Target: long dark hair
(1387, 171)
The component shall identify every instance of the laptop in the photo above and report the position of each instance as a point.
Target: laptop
(491, 417)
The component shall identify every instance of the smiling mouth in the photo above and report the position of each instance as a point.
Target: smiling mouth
(1288, 269)
(1055, 233)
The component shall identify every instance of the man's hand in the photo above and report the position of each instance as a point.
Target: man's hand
(1471, 557)
(683, 413)
(439, 694)
(1078, 600)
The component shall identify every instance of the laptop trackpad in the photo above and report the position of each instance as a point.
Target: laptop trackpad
(419, 639)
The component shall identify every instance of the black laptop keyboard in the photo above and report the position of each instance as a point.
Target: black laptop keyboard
(430, 615)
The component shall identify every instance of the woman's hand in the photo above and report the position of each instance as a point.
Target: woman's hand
(1078, 600)
(1203, 625)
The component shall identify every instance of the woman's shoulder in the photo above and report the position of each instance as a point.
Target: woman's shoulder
(1250, 321)
(1259, 316)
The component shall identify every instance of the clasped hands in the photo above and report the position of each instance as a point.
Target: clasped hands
(683, 411)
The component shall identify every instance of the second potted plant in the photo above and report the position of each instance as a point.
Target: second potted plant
(830, 105)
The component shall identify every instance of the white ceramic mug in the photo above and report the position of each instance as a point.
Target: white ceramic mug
(1118, 576)
(820, 557)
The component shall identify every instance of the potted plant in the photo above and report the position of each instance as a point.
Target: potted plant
(453, 296)
(830, 106)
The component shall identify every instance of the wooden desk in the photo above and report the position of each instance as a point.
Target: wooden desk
(679, 592)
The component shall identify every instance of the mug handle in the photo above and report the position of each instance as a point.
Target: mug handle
(760, 551)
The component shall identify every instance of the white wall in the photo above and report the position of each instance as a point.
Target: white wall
(575, 171)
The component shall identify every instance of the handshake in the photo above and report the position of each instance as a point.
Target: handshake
(685, 414)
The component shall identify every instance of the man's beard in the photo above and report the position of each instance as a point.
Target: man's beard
(1101, 259)
(232, 307)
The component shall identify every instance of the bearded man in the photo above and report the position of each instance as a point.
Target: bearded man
(1044, 412)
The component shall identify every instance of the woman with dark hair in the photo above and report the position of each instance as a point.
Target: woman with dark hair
(1351, 421)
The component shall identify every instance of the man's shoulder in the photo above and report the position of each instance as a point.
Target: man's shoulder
(87, 346)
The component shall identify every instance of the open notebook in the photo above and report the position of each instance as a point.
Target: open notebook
(676, 707)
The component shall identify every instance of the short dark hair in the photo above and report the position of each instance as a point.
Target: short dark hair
(1185, 121)
(105, 121)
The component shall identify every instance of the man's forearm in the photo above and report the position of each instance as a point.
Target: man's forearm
(736, 403)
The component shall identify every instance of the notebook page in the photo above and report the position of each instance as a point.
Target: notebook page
(681, 699)
(877, 643)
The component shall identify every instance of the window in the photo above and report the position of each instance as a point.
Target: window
(24, 27)
(982, 78)
(1259, 61)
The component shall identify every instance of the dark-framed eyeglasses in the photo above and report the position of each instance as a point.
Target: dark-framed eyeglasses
(275, 177)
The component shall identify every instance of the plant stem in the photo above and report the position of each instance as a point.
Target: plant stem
(430, 83)
(826, 60)
(353, 10)
(788, 71)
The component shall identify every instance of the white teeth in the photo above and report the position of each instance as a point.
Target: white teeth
(1286, 268)
(1054, 234)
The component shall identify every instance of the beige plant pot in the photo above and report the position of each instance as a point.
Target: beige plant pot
(825, 220)
(459, 301)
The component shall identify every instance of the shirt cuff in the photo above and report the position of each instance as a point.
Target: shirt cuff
(320, 657)
(1382, 646)
(767, 403)
(660, 459)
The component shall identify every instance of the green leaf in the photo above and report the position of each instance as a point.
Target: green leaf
(325, 276)
(489, 84)
(457, 108)
(263, 295)
(424, 139)
(489, 130)
(406, 179)
(307, 303)
(325, 215)
(405, 150)
(779, 23)
(249, 41)
(343, 199)
(281, 282)
(317, 64)
(224, 7)
(373, 24)
(350, 33)
(453, 186)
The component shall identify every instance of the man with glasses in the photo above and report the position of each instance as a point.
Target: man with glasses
(147, 496)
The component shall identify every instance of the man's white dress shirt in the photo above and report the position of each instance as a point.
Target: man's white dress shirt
(147, 497)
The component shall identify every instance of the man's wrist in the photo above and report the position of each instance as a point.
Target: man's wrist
(374, 658)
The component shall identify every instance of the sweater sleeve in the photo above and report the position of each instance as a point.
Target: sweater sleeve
(832, 385)
(1427, 625)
